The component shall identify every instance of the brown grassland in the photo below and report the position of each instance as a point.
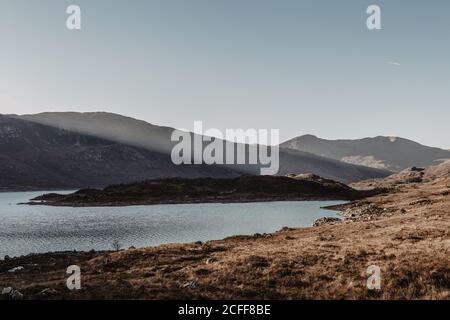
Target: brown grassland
(408, 237)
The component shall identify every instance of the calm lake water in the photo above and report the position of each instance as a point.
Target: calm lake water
(35, 229)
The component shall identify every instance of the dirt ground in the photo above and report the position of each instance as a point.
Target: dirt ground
(407, 237)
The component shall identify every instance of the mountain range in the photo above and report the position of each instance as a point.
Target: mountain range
(77, 150)
(56, 150)
(35, 156)
(389, 153)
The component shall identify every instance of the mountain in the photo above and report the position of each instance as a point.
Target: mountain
(109, 126)
(78, 150)
(297, 162)
(35, 156)
(391, 153)
(139, 133)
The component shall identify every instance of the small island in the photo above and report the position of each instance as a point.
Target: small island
(209, 190)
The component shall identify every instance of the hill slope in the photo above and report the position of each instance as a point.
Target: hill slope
(109, 126)
(34, 156)
(144, 135)
(389, 153)
(411, 175)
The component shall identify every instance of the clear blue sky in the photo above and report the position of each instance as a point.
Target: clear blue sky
(300, 66)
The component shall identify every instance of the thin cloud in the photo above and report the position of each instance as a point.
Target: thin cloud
(395, 63)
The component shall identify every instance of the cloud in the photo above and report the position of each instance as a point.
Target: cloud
(395, 63)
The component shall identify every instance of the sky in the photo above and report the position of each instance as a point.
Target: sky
(304, 67)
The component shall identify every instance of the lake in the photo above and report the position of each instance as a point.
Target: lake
(28, 229)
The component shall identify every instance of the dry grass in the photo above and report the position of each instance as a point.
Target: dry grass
(411, 247)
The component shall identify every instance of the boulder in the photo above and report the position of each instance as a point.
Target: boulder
(20, 268)
(326, 220)
(47, 292)
(9, 293)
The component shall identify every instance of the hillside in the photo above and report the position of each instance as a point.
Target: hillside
(391, 153)
(407, 176)
(34, 156)
(109, 126)
(155, 143)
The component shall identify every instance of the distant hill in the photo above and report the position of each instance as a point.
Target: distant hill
(77, 150)
(297, 162)
(142, 134)
(109, 126)
(391, 153)
(34, 156)
(434, 173)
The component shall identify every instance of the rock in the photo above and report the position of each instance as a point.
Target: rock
(16, 295)
(11, 294)
(326, 220)
(304, 176)
(284, 229)
(20, 268)
(190, 285)
(366, 212)
(47, 292)
(7, 291)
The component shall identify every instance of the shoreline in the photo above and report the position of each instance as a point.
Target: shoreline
(405, 232)
(201, 201)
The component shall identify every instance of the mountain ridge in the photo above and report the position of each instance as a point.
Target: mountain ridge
(383, 152)
(142, 135)
(37, 157)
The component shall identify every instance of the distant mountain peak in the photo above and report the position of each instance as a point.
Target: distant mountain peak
(383, 152)
(308, 136)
